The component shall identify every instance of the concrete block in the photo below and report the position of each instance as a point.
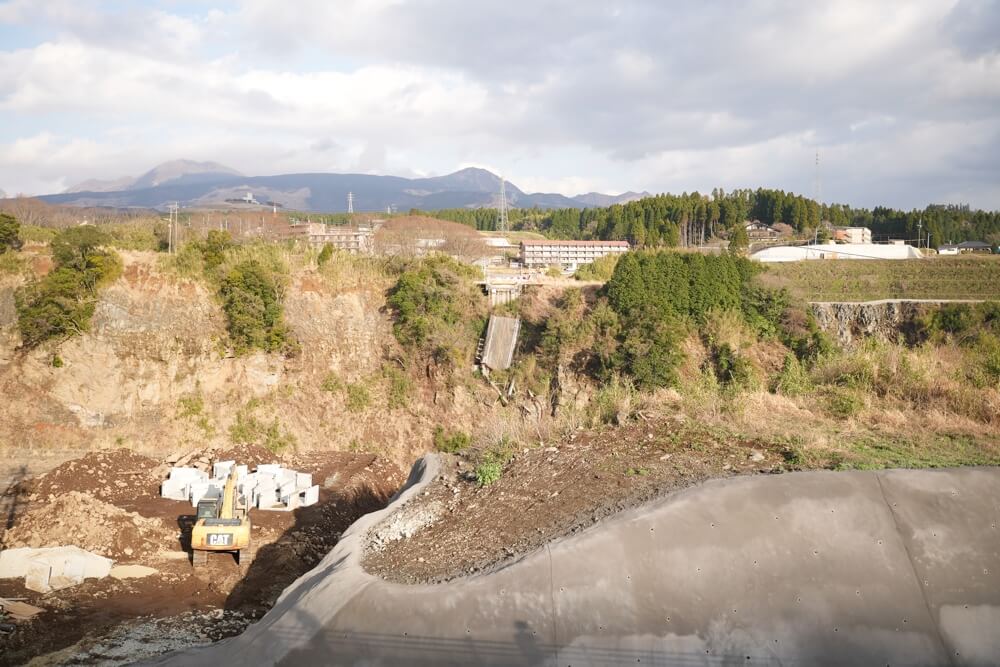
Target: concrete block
(267, 496)
(286, 475)
(175, 489)
(201, 490)
(241, 472)
(36, 576)
(221, 469)
(287, 489)
(309, 497)
(303, 481)
(269, 469)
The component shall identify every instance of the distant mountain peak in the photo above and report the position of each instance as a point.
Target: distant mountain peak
(211, 185)
(158, 175)
(174, 169)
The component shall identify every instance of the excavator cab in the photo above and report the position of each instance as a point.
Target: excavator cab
(220, 525)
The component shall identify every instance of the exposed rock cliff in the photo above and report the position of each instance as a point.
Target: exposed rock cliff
(154, 373)
(890, 320)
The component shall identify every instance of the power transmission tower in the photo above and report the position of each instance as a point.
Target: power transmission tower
(350, 202)
(503, 223)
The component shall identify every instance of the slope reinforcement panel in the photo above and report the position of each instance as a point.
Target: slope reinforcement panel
(813, 568)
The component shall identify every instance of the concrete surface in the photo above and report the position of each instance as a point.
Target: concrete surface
(816, 568)
(501, 339)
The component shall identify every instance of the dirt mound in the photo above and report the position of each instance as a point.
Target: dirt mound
(79, 519)
(115, 477)
(457, 527)
(250, 455)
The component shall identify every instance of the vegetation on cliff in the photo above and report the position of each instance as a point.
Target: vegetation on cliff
(60, 304)
(439, 311)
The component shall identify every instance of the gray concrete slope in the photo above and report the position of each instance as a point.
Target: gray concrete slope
(817, 568)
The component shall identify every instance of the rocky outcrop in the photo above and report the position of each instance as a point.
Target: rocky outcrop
(154, 371)
(888, 320)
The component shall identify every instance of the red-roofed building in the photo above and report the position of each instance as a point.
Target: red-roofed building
(568, 254)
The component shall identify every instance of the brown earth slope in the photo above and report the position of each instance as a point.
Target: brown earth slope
(458, 527)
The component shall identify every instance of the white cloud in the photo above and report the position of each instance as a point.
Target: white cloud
(563, 95)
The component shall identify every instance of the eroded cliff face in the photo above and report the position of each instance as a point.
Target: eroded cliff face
(887, 320)
(153, 372)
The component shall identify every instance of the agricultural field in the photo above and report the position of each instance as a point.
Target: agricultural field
(962, 277)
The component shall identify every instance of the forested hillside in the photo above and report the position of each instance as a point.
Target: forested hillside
(691, 219)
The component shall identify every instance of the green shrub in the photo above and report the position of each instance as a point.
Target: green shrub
(438, 309)
(732, 369)
(36, 234)
(450, 443)
(601, 269)
(554, 271)
(983, 362)
(324, 255)
(57, 361)
(488, 472)
(214, 248)
(251, 300)
(357, 397)
(490, 465)
(792, 380)
(144, 235)
(10, 233)
(61, 304)
(650, 351)
(843, 402)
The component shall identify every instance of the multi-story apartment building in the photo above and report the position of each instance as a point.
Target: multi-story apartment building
(352, 238)
(568, 254)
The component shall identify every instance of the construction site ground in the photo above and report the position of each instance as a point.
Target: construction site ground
(108, 503)
(457, 527)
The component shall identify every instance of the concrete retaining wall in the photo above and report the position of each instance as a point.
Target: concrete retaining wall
(878, 568)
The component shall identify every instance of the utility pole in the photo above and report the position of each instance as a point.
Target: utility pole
(172, 229)
(920, 224)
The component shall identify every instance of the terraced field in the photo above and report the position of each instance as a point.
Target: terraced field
(963, 277)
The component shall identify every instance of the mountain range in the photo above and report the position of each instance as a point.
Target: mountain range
(209, 184)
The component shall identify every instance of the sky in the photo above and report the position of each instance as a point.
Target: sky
(900, 99)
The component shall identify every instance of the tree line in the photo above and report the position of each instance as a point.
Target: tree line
(690, 219)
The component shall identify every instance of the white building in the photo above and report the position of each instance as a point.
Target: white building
(860, 235)
(836, 251)
(568, 254)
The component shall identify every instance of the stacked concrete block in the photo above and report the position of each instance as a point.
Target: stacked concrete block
(178, 485)
(221, 469)
(175, 489)
(270, 486)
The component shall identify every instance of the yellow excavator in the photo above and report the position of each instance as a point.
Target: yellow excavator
(222, 525)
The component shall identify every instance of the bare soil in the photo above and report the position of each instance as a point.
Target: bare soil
(457, 527)
(108, 503)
